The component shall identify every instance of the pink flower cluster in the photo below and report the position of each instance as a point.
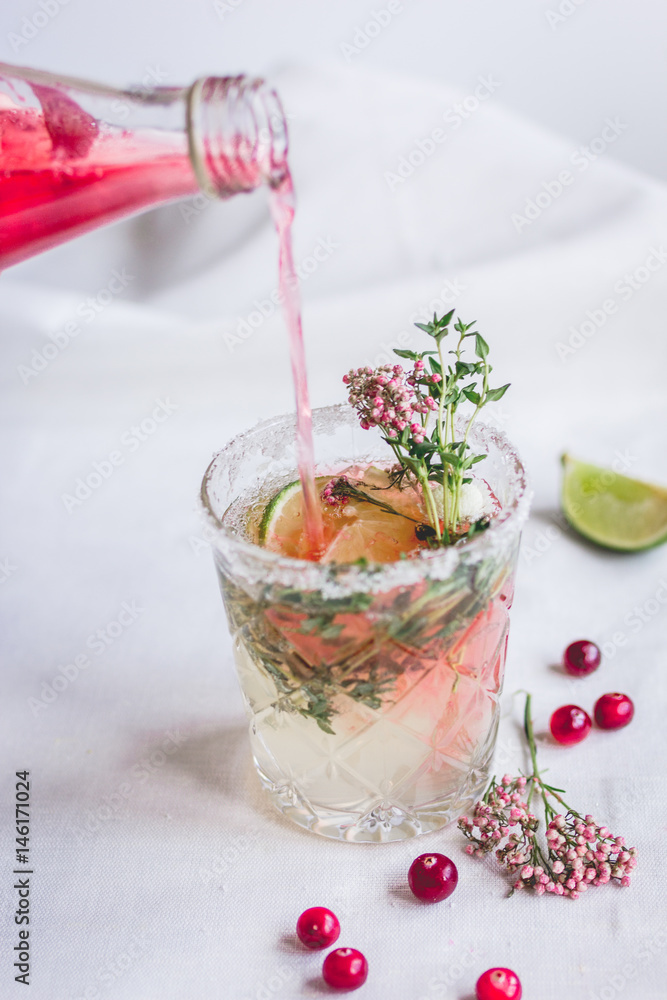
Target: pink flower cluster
(385, 398)
(500, 811)
(333, 493)
(580, 853)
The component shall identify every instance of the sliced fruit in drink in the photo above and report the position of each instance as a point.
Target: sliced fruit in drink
(380, 538)
(281, 514)
(353, 531)
(619, 513)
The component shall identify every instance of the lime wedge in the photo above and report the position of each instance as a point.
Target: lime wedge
(284, 507)
(612, 510)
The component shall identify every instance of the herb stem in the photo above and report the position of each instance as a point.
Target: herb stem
(442, 438)
(430, 504)
(535, 777)
(530, 736)
(356, 494)
(402, 403)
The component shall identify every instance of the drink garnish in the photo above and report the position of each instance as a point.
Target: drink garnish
(576, 854)
(416, 413)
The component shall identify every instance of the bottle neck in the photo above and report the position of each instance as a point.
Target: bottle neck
(237, 135)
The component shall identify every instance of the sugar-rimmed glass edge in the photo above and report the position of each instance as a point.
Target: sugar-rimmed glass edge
(258, 565)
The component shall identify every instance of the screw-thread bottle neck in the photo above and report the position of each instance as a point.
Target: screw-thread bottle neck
(237, 135)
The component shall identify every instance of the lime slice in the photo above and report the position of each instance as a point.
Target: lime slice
(280, 513)
(612, 510)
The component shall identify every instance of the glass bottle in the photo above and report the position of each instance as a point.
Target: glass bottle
(76, 155)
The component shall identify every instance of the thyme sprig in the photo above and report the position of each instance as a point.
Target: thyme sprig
(416, 414)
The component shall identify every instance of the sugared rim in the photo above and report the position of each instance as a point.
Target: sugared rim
(437, 564)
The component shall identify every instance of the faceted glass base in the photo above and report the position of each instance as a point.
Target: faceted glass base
(341, 787)
(383, 822)
(372, 690)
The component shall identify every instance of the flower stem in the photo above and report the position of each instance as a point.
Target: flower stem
(442, 437)
(530, 736)
(535, 777)
(346, 489)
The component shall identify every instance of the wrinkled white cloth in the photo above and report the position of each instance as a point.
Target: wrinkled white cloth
(160, 870)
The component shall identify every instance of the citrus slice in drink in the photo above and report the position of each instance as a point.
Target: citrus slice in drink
(619, 513)
(356, 530)
(374, 535)
(280, 515)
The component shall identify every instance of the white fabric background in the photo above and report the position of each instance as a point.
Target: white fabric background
(170, 875)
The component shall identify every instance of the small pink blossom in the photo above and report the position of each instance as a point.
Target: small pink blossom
(580, 853)
(385, 398)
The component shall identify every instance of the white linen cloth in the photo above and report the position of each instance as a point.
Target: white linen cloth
(160, 869)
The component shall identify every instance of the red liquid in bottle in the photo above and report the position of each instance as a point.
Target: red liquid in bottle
(62, 175)
(56, 184)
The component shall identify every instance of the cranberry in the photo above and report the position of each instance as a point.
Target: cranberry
(612, 711)
(317, 927)
(345, 969)
(433, 877)
(498, 984)
(570, 724)
(581, 658)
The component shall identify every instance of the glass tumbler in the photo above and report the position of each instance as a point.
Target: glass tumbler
(371, 690)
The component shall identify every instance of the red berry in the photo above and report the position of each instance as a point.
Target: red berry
(498, 984)
(613, 711)
(433, 877)
(581, 658)
(317, 927)
(345, 969)
(570, 724)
